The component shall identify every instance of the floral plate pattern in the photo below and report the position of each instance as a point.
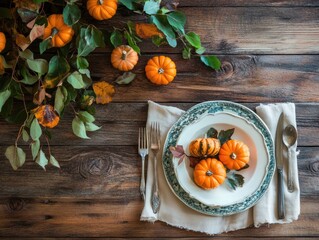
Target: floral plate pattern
(193, 115)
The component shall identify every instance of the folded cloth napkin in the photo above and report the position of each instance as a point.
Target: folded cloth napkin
(174, 212)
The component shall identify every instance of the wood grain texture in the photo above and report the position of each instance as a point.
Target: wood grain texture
(104, 199)
(240, 30)
(242, 78)
(247, 3)
(60, 217)
(111, 173)
(270, 53)
(120, 122)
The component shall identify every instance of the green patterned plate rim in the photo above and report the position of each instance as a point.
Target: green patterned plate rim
(191, 116)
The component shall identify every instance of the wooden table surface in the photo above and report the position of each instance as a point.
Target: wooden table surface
(270, 53)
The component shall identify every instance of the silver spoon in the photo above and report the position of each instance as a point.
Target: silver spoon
(289, 138)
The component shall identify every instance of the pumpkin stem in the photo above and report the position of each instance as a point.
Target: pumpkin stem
(160, 70)
(233, 156)
(124, 53)
(54, 31)
(209, 173)
(100, 2)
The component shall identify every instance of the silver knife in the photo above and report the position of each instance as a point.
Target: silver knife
(279, 164)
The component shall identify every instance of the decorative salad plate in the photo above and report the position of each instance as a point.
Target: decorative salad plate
(249, 128)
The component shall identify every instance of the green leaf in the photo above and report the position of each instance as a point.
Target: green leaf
(177, 20)
(211, 61)
(91, 127)
(58, 68)
(86, 72)
(78, 128)
(151, 7)
(54, 162)
(186, 53)
(25, 135)
(234, 180)
(86, 117)
(44, 45)
(162, 24)
(90, 38)
(26, 54)
(126, 78)
(171, 41)
(35, 147)
(132, 42)
(60, 99)
(200, 50)
(39, 66)
(16, 156)
(4, 96)
(72, 93)
(158, 41)
(76, 80)
(26, 15)
(128, 4)
(28, 78)
(71, 14)
(41, 159)
(212, 133)
(224, 136)
(35, 129)
(116, 38)
(193, 39)
(82, 63)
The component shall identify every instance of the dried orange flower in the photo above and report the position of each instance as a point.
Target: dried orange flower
(103, 91)
(147, 30)
(28, 4)
(46, 116)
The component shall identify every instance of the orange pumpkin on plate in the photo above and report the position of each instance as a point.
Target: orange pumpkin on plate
(234, 154)
(60, 32)
(160, 70)
(203, 147)
(209, 173)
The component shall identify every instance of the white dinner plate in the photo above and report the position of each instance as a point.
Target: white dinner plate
(249, 128)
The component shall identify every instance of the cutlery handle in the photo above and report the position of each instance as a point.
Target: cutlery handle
(281, 206)
(290, 174)
(155, 194)
(142, 185)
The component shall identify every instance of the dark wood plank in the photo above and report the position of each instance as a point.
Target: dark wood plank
(240, 30)
(111, 173)
(247, 3)
(61, 217)
(120, 122)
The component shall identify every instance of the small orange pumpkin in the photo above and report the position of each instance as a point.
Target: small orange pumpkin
(209, 173)
(124, 58)
(102, 9)
(60, 32)
(46, 116)
(203, 147)
(234, 154)
(2, 41)
(160, 70)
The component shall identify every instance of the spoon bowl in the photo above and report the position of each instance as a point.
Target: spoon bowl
(289, 138)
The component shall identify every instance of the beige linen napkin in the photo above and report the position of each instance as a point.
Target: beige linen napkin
(175, 213)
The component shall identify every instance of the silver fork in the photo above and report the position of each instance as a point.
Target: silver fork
(143, 151)
(155, 147)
